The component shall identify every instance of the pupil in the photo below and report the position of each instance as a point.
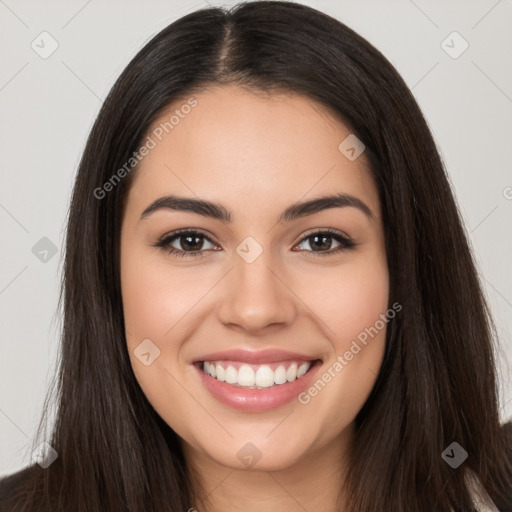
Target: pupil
(324, 244)
(191, 242)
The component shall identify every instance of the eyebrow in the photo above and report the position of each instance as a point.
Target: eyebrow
(219, 212)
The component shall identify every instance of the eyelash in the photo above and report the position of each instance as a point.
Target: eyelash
(164, 243)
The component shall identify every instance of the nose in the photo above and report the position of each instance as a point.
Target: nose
(257, 296)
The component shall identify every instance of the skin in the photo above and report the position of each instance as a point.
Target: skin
(277, 150)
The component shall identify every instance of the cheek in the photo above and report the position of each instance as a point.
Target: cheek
(144, 301)
(153, 303)
(149, 303)
(156, 296)
(360, 324)
(352, 304)
(348, 300)
(159, 301)
(364, 299)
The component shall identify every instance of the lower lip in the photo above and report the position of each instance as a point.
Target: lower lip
(257, 400)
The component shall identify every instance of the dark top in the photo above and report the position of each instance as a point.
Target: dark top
(9, 483)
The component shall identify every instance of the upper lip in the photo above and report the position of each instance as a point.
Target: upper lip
(254, 356)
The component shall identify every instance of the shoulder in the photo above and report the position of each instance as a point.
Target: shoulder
(481, 498)
(9, 482)
(506, 429)
(11, 486)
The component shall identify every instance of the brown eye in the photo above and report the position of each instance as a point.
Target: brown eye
(185, 243)
(322, 242)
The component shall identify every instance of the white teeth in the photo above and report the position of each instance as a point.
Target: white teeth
(209, 369)
(280, 375)
(303, 368)
(246, 376)
(221, 373)
(231, 375)
(263, 377)
(291, 373)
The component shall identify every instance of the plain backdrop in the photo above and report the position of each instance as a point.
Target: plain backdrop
(48, 105)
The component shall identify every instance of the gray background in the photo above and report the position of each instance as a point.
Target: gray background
(47, 107)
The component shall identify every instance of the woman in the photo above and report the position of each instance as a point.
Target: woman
(269, 299)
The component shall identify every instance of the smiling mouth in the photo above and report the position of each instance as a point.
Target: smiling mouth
(256, 376)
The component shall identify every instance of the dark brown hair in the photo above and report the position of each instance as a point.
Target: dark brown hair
(437, 383)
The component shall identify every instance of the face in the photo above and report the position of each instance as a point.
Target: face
(265, 284)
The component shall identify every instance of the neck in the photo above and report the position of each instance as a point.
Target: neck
(313, 482)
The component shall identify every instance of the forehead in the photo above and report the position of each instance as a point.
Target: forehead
(251, 149)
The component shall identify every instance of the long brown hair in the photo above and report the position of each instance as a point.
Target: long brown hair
(437, 383)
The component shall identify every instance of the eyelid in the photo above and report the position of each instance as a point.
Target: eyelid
(330, 231)
(183, 231)
(164, 240)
